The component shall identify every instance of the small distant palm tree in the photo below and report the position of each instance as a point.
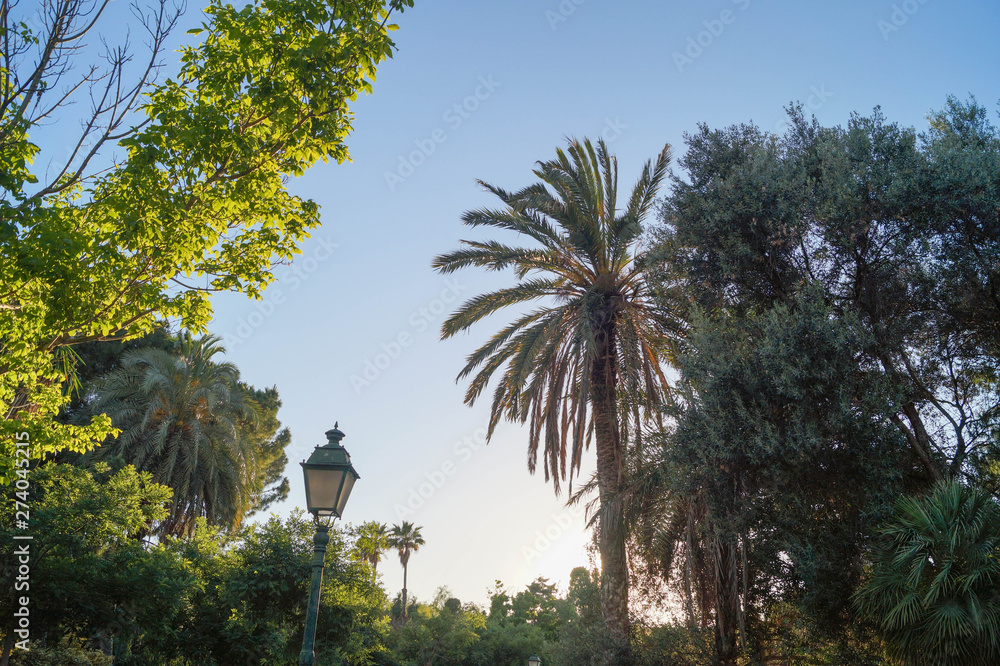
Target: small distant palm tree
(935, 583)
(180, 417)
(406, 539)
(372, 540)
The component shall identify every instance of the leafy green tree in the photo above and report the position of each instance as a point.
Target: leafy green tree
(500, 607)
(539, 605)
(875, 215)
(778, 465)
(90, 575)
(674, 645)
(585, 595)
(934, 586)
(596, 337)
(536, 620)
(248, 605)
(211, 598)
(173, 189)
(509, 644)
(68, 652)
(406, 539)
(268, 440)
(185, 419)
(441, 632)
(447, 631)
(962, 183)
(826, 347)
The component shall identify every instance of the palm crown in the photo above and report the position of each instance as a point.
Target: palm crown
(372, 539)
(180, 419)
(598, 315)
(933, 586)
(406, 539)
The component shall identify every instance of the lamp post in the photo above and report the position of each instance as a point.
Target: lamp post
(533, 660)
(329, 478)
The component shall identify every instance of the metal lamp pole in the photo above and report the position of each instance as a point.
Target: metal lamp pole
(329, 479)
(320, 540)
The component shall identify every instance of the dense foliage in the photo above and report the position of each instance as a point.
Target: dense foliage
(184, 415)
(934, 589)
(839, 354)
(210, 598)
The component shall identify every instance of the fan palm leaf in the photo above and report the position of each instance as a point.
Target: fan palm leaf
(934, 588)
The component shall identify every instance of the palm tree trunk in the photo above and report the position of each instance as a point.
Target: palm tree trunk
(727, 602)
(728, 573)
(610, 481)
(404, 592)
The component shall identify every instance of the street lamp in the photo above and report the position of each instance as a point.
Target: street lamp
(329, 478)
(533, 660)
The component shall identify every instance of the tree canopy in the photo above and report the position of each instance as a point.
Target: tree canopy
(837, 356)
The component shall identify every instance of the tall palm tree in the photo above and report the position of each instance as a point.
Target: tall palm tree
(406, 539)
(373, 538)
(596, 338)
(180, 417)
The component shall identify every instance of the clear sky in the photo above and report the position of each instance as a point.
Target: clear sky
(482, 90)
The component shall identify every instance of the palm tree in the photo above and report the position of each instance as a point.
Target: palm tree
(406, 539)
(677, 538)
(180, 417)
(373, 538)
(934, 584)
(597, 337)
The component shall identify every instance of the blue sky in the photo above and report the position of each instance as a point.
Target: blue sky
(482, 90)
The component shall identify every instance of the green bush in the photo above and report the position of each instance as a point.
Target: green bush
(69, 652)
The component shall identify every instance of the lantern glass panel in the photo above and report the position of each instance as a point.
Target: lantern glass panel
(322, 486)
(345, 493)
